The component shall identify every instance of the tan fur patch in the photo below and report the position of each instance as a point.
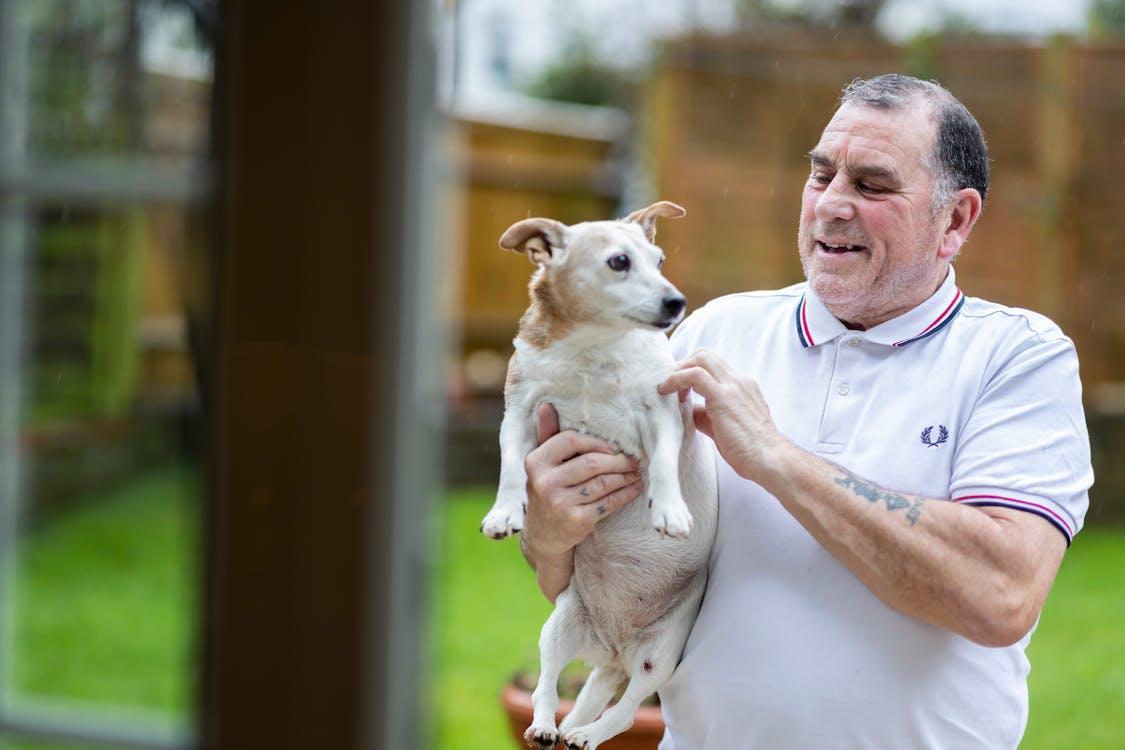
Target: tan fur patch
(547, 319)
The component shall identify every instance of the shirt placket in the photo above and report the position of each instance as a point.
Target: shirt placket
(843, 402)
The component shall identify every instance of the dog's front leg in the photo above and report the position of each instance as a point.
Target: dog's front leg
(517, 439)
(664, 435)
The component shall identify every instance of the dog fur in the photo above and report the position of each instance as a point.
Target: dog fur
(593, 344)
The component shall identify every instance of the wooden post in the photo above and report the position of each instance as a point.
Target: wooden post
(323, 419)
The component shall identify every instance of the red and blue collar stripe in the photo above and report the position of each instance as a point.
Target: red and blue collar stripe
(805, 334)
(939, 322)
(803, 325)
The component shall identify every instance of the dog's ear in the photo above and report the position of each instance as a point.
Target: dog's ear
(541, 239)
(646, 217)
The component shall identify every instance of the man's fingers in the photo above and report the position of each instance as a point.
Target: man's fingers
(614, 501)
(710, 362)
(694, 378)
(583, 468)
(602, 485)
(557, 449)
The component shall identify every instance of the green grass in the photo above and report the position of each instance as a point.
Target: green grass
(485, 625)
(1077, 655)
(106, 600)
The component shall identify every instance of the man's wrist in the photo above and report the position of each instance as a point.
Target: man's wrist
(537, 555)
(776, 458)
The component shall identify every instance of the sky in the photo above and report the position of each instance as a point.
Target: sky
(903, 18)
(502, 43)
(626, 25)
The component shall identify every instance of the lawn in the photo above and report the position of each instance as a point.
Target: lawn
(104, 601)
(106, 598)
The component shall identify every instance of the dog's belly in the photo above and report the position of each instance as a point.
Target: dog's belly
(628, 576)
(622, 595)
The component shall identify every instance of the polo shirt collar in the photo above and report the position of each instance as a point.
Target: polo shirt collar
(816, 325)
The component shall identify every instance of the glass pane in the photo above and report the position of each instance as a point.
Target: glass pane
(112, 77)
(102, 603)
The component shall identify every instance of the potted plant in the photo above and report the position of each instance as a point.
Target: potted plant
(645, 734)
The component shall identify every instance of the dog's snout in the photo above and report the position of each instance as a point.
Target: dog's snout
(674, 305)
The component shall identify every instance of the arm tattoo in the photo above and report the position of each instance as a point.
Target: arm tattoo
(873, 494)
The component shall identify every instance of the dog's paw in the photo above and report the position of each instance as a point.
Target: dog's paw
(671, 519)
(541, 738)
(502, 521)
(577, 739)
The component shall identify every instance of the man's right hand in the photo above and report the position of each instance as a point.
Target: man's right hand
(573, 481)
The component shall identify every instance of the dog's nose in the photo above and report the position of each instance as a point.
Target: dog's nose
(674, 305)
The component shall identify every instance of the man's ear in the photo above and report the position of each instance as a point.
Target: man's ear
(541, 239)
(967, 206)
(646, 217)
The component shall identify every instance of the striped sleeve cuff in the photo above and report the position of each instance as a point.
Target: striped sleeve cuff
(1047, 509)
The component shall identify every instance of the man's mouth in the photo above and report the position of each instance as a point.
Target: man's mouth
(839, 248)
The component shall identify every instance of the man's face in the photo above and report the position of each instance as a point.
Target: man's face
(868, 239)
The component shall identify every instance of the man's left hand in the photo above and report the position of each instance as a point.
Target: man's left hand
(734, 414)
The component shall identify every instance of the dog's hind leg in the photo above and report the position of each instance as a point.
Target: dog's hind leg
(651, 662)
(561, 639)
(592, 699)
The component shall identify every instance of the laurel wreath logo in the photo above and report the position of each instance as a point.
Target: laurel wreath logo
(927, 434)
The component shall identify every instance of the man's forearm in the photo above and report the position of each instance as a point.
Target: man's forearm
(552, 572)
(976, 573)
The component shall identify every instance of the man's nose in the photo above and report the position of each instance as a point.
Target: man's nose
(834, 203)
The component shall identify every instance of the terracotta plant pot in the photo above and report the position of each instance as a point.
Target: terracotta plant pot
(645, 734)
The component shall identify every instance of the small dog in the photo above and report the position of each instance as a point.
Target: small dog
(593, 344)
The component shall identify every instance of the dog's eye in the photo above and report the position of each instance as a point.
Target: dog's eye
(660, 265)
(619, 262)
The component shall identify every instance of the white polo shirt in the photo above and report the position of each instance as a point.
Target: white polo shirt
(958, 398)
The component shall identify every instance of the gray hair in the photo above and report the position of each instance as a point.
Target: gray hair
(960, 156)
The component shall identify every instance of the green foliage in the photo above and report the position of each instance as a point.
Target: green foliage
(1107, 18)
(856, 14)
(580, 77)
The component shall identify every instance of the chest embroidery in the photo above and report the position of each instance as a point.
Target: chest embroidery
(928, 436)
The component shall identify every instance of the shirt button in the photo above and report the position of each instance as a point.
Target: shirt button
(853, 342)
(843, 389)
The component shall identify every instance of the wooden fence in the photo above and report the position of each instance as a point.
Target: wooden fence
(728, 122)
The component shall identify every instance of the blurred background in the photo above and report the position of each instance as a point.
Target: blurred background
(254, 324)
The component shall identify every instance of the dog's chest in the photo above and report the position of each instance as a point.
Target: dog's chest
(607, 390)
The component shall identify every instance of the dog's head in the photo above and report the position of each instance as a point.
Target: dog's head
(605, 273)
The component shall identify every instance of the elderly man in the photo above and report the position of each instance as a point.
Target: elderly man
(903, 466)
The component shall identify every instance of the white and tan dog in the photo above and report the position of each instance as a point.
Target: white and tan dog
(593, 344)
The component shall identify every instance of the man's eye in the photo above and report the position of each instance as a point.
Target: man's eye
(868, 188)
(619, 262)
(822, 178)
